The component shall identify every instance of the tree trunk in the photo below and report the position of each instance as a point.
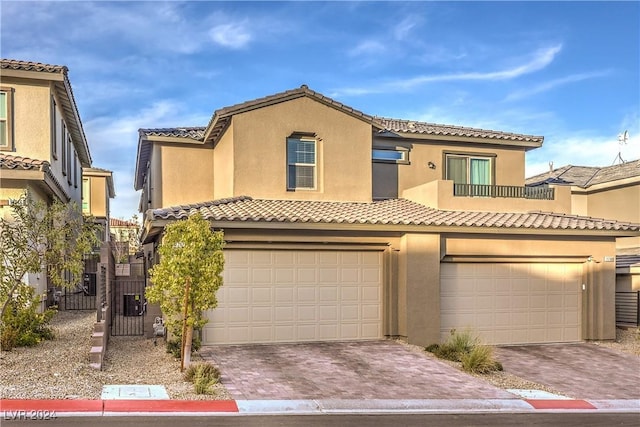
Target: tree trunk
(187, 346)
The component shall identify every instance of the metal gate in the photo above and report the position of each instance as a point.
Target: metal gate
(82, 297)
(127, 307)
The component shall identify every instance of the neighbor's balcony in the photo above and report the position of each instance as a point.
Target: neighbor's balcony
(543, 192)
(446, 195)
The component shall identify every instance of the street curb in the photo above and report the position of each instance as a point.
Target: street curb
(45, 409)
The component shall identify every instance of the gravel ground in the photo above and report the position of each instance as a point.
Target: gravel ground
(59, 369)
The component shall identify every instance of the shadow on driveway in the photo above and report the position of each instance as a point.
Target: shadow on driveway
(581, 371)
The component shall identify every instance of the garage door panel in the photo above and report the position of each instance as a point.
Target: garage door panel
(288, 296)
(512, 303)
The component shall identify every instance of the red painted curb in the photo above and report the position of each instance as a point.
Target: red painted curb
(119, 405)
(170, 406)
(559, 404)
(51, 405)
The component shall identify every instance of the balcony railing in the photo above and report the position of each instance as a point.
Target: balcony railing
(542, 192)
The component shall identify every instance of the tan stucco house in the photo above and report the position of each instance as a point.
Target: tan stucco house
(97, 191)
(43, 147)
(345, 226)
(605, 192)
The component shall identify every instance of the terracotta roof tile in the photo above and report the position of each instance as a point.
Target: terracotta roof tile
(409, 126)
(586, 176)
(31, 66)
(8, 161)
(184, 132)
(116, 222)
(389, 212)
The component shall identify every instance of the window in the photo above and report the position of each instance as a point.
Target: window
(69, 156)
(466, 169)
(64, 148)
(386, 155)
(301, 162)
(86, 195)
(6, 121)
(75, 170)
(54, 129)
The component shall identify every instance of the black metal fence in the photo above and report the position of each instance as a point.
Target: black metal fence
(83, 296)
(127, 307)
(628, 308)
(542, 192)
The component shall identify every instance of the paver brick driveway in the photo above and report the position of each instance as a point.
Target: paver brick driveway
(580, 371)
(342, 370)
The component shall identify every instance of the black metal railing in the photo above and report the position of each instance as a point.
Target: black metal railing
(542, 192)
(628, 308)
(127, 307)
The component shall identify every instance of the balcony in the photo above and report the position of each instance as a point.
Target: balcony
(543, 192)
(446, 195)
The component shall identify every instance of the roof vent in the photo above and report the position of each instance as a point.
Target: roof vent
(304, 87)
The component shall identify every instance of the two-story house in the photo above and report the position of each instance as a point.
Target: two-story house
(605, 192)
(344, 226)
(97, 191)
(43, 148)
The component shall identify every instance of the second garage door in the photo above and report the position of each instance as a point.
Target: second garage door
(291, 296)
(512, 303)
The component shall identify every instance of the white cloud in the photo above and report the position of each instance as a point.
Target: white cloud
(539, 60)
(404, 27)
(368, 47)
(552, 84)
(233, 35)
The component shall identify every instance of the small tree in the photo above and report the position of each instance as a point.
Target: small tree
(188, 275)
(41, 237)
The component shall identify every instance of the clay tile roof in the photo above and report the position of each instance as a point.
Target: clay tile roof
(384, 212)
(116, 222)
(32, 66)
(8, 161)
(184, 132)
(586, 176)
(409, 126)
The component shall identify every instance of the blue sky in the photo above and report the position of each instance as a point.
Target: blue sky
(567, 70)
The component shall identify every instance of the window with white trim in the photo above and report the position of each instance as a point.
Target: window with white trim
(469, 169)
(6, 122)
(301, 163)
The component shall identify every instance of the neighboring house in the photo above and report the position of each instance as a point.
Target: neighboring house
(340, 225)
(43, 147)
(97, 190)
(605, 192)
(125, 236)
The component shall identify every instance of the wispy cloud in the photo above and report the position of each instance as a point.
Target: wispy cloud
(404, 27)
(547, 86)
(231, 35)
(540, 59)
(368, 47)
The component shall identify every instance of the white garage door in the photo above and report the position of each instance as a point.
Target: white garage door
(291, 296)
(512, 303)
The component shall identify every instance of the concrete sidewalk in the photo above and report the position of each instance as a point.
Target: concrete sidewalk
(47, 409)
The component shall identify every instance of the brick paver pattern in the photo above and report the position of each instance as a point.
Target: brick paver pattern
(580, 371)
(342, 370)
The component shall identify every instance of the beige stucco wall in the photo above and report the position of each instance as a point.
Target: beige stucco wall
(509, 164)
(260, 152)
(99, 199)
(155, 179)
(223, 166)
(187, 174)
(32, 129)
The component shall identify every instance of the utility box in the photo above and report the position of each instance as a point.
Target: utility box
(132, 305)
(89, 284)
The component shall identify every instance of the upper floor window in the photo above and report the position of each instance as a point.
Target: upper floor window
(301, 163)
(469, 169)
(6, 122)
(54, 129)
(86, 195)
(63, 150)
(387, 155)
(70, 159)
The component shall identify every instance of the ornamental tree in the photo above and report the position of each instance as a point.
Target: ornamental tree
(51, 239)
(186, 279)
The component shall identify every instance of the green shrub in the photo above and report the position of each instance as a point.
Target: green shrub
(203, 376)
(432, 348)
(458, 344)
(479, 360)
(22, 325)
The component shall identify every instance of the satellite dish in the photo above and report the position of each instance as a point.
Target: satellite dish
(622, 140)
(623, 137)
